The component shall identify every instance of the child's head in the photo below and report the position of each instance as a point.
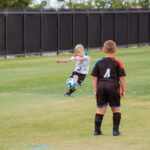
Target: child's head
(79, 49)
(109, 47)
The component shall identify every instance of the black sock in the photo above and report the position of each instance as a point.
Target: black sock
(116, 121)
(71, 91)
(98, 122)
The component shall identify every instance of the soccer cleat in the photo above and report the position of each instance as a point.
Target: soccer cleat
(116, 133)
(67, 94)
(97, 133)
(70, 92)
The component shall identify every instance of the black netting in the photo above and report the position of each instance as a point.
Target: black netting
(2, 34)
(133, 28)
(108, 26)
(33, 33)
(95, 31)
(144, 28)
(15, 34)
(80, 29)
(65, 31)
(121, 29)
(50, 31)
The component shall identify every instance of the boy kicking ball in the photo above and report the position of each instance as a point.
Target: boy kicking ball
(108, 75)
(82, 60)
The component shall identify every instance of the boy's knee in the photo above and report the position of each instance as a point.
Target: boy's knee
(116, 109)
(101, 110)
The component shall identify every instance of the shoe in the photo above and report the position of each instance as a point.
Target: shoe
(67, 94)
(97, 133)
(70, 92)
(116, 133)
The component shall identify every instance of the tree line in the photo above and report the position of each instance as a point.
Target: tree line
(105, 4)
(76, 4)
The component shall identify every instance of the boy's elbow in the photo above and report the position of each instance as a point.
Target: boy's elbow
(122, 79)
(94, 78)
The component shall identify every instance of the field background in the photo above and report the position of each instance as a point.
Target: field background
(34, 114)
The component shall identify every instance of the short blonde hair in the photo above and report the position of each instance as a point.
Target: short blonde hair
(79, 47)
(109, 47)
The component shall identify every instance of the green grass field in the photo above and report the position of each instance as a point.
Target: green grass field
(34, 114)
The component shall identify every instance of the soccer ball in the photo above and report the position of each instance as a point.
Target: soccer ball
(71, 83)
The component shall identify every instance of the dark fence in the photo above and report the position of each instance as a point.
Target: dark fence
(28, 31)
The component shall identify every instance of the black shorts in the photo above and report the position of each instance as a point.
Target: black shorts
(108, 93)
(81, 77)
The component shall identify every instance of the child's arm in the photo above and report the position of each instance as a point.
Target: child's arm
(123, 86)
(63, 61)
(74, 58)
(94, 85)
(78, 58)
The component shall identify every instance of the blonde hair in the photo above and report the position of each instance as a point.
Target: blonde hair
(79, 47)
(109, 47)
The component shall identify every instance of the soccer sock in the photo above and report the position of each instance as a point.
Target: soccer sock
(98, 122)
(116, 121)
(71, 91)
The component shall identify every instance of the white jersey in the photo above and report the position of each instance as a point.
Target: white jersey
(82, 66)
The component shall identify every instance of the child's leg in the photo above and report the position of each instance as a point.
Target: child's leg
(102, 102)
(116, 120)
(72, 89)
(70, 92)
(98, 120)
(114, 102)
(79, 79)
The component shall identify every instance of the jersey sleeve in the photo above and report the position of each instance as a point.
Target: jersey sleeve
(87, 57)
(95, 71)
(121, 70)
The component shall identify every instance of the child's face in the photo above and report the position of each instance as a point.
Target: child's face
(79, 52)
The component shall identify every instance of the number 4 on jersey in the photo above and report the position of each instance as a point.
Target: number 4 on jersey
(107, 74)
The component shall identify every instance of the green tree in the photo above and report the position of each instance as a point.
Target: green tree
(104, 3)
(117, 4)
(15, 3)
(22, 3)
(144, 3)
(83, 5)
(6, 3)
(73, 5)
(39, 6)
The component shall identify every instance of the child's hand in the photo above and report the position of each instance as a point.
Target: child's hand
(94, 94)
(123, 94)
(59, 61)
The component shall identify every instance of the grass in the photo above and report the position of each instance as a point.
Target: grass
(33, 110)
